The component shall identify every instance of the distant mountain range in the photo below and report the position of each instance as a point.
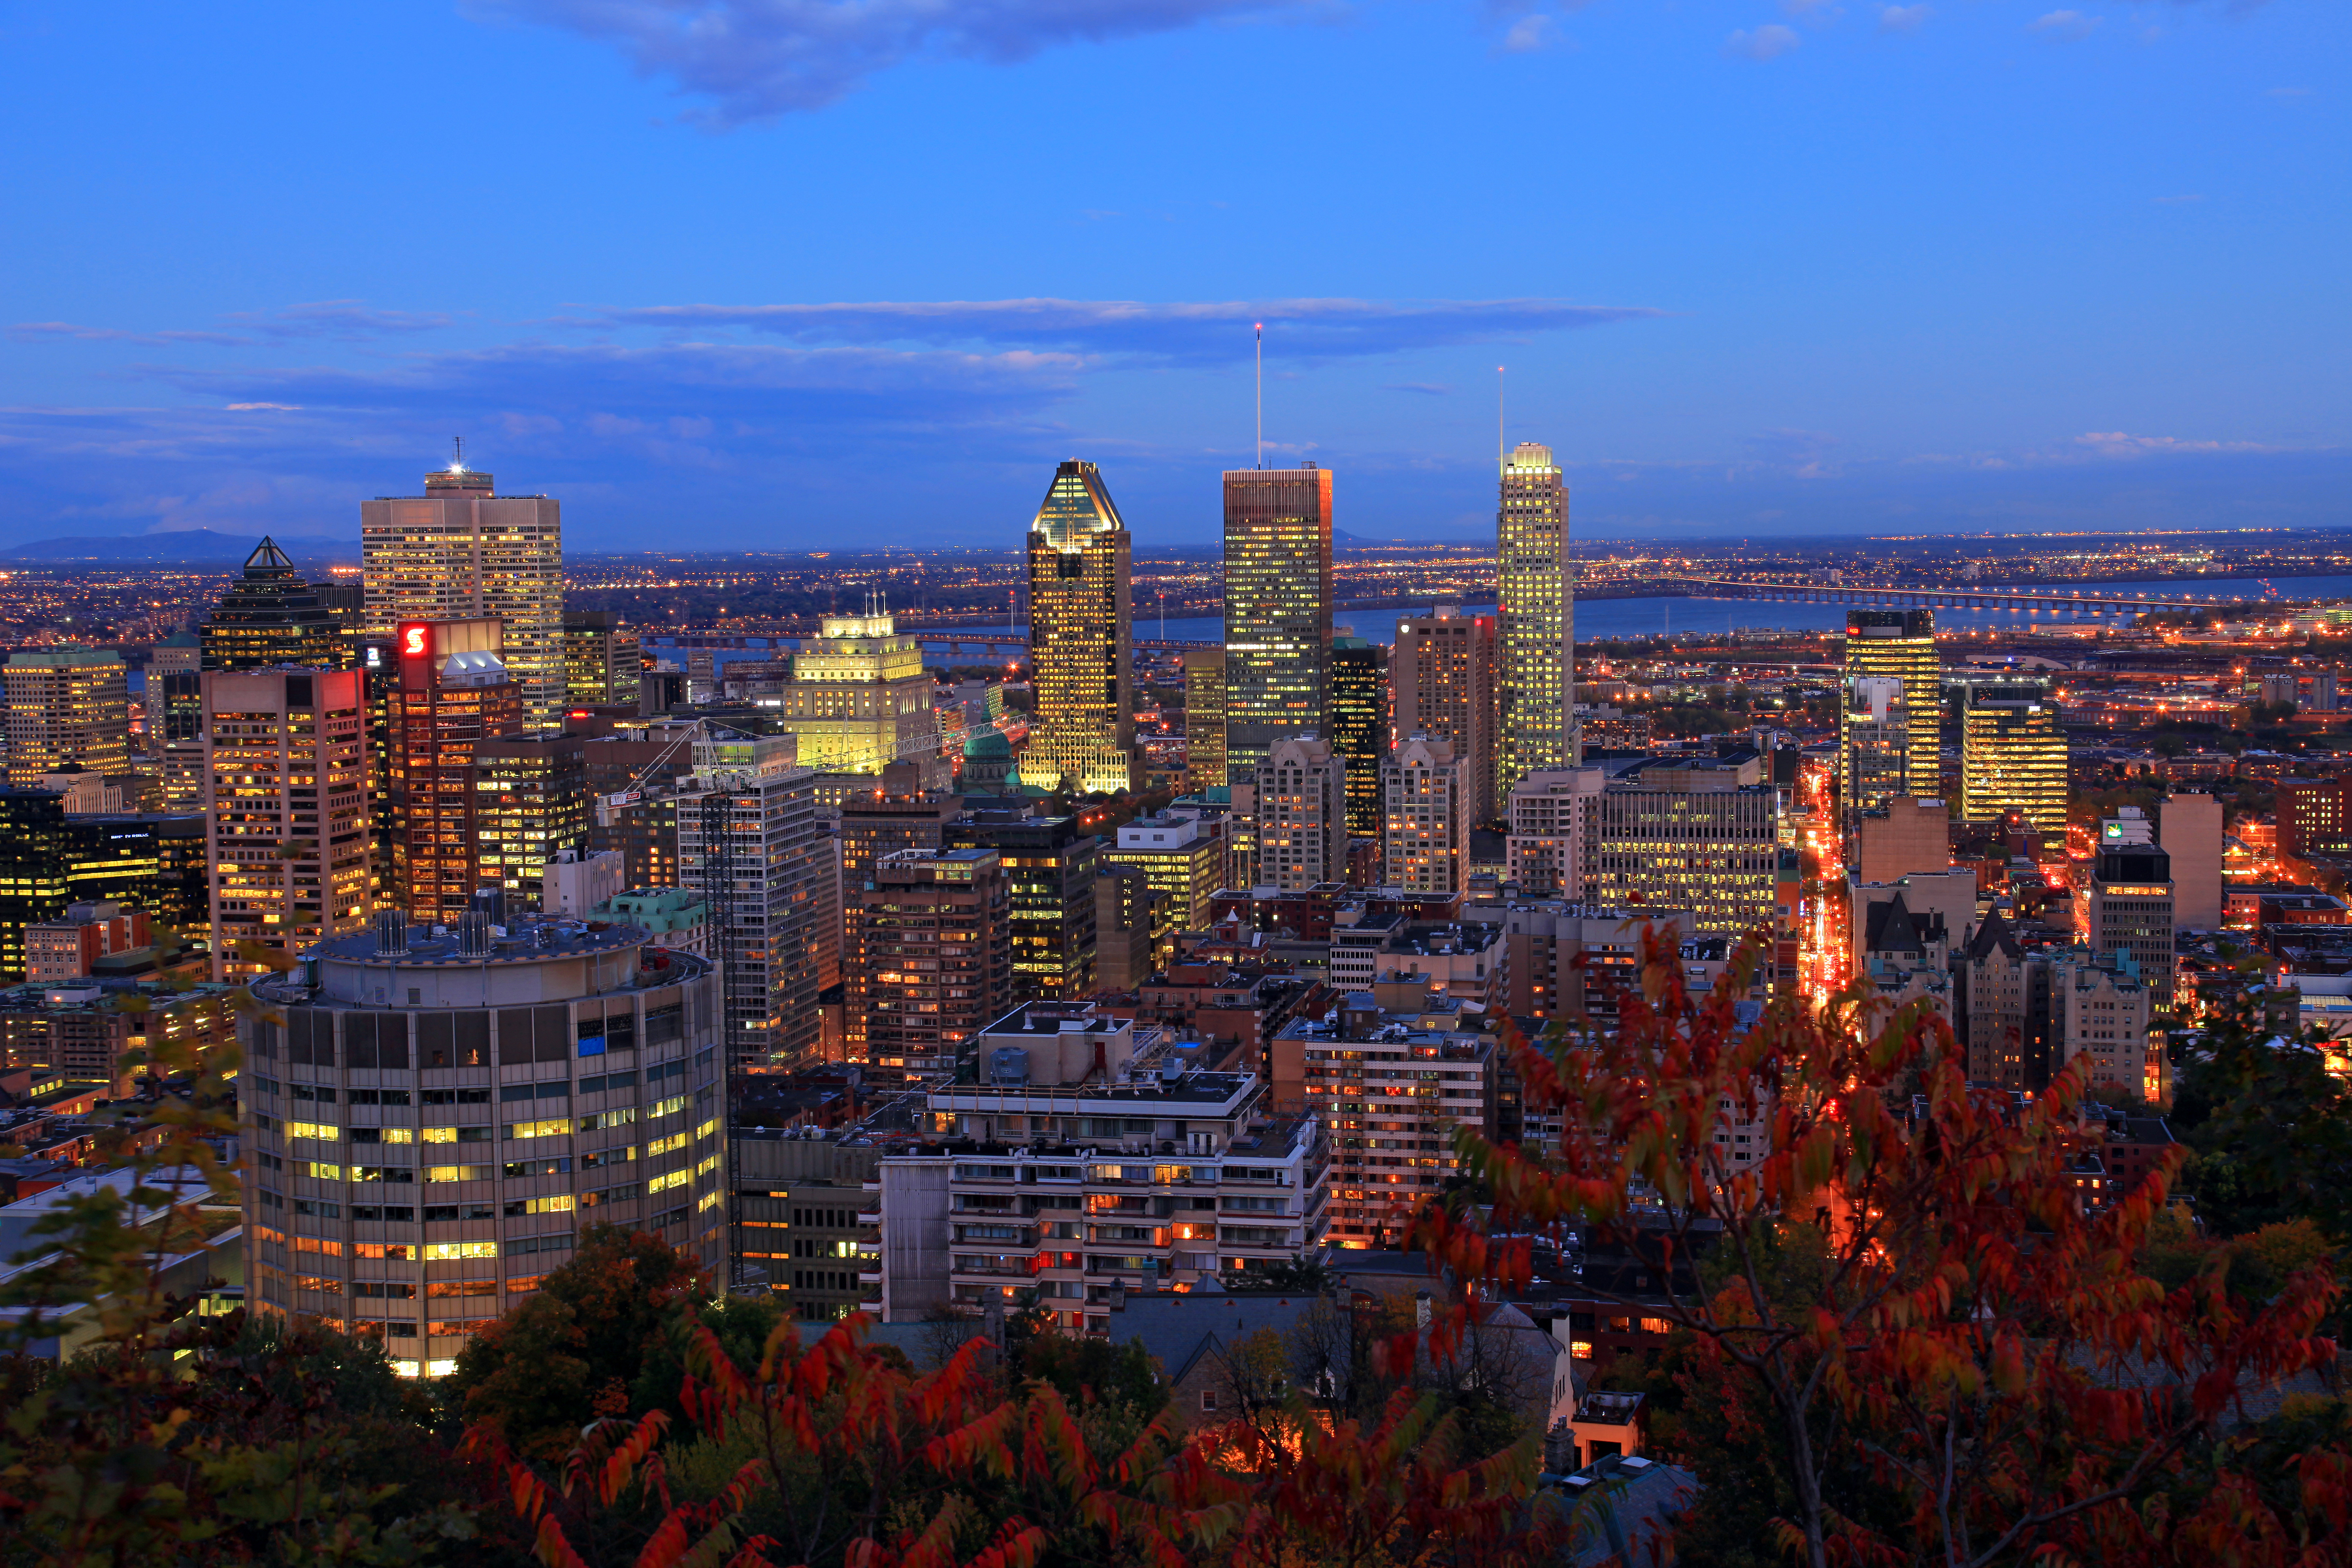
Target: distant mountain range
(193, 547)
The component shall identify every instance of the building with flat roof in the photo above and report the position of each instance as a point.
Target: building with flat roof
(1277, 610)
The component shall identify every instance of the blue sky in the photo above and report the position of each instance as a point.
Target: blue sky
(782, 273)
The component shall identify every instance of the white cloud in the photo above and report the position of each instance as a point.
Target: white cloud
(2065, 26)
(1768, 42)
(1529, 34)
(1905, 18)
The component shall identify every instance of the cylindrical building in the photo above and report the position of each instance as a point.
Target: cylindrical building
(431, 1119)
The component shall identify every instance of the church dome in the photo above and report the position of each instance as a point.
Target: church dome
(989, 745)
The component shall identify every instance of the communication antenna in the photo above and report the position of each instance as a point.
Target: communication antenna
(1502, 442)
(1261, 393)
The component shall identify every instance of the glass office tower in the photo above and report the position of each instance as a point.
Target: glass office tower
(1277, 610)
(1080, 644)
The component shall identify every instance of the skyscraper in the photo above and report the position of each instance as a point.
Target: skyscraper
(285, 803)
(1536, 585)
(1898, 644)
(65, 705)
(2012, 754)
(1360, 725)
(454, 692)
(461, 551)
(601, 659)
(1277, 609)
(533, 803)
(1447, 676)
(1302, 814)
(1204, 717)
(2131, 915)
(272, 616)
(1080, 644)
(940, 939)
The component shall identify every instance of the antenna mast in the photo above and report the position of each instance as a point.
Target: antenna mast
(457, 463)
(1502, 442)
(1260, 459)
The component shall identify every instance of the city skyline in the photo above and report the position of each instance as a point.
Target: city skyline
(1969, 270)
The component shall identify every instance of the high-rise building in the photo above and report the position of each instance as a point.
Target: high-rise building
(1302, 814)
(2131, 922)
(65, 705)
(1358, 726)
(461, 551)
(71, 945)
(286, 808)
(272, 616)
(861, 700)
(1534, 580)
(1905, 837)
(2012, 754)
(2189, 827)
(1080, 641)
(423, 1154)
(1050, 862)
(601, 659)
(1447, 676)
(1277, 609)
(1204, 717)
(751, 842)
(532, 795)
(1125, 921)
(181, 653)
(938, 932)
(1183, 856)
(1900, 645)
(452, 692)
(872, 825)
(1548, 846)
(175, 736)
(1874, 741)
(1704, 838)
(1425, 794)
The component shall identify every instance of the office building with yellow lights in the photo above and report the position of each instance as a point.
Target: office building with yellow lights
(66, 706)
(1277, 610)
(1535, 586)
(272, 616)
(1359, 727)
(861, 700)
(1698, 836)
(1081, 645)
(2012, 754)
(462, 551)
(1898, 644)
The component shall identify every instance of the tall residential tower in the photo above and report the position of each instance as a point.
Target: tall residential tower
(1536, 585)
(1079, 638)
(1277, 610)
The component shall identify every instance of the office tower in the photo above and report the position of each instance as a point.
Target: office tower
(344, 598)
(2101, 1015)
(1447, 676)
(750, 840)
(1050, 862)
(181, 653)
(1874, 741)
(286, 808)
(1277, 610)
(1302, 814)
(461, 551)
(2131, 922)
(1701, 838)
(378, 662)
(861, 700)
(602, 662)
(1898, 644)
(453, 691)
(873, 824)
(2314, 817)
(2190, 831)
(65, 705)
(1125, 922)
(1535, 582)
(938, 934)
(175, 736)
(1360, 725)
(1204, 717)
(532, 802)
(1425, 795)
(272, 616)
(1080, 643)
(420, 1158)
(2012, 756)
(1548, 847)
(1904, 837)
(1183, 854)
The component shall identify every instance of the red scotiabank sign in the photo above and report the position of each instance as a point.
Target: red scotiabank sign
(413, 636)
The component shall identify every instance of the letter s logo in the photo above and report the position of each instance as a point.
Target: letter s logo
(413, 641)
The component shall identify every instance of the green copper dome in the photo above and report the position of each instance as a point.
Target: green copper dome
(988, 743)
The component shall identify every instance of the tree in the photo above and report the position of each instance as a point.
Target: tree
(1973, 1355)
(571, 1352)
(2271, 1127)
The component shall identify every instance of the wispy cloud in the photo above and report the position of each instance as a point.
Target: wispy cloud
(1531, 34)
(1183, 330)
(2180, 200)
(2065, 26)
(350, 320)
(756, 60)
(2119, 444)
(1768, 42)
(1905, 18)
(69, 331)
(1426, 388)
(2290, 92)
